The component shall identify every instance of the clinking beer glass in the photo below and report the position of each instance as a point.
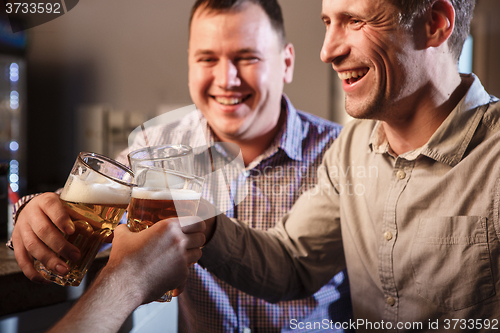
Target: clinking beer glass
(165, 188)
(96, 195)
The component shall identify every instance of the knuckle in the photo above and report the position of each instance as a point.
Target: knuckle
(50, 202)
(59, 215)
(162, 226)
(177, 235)
(30, 245)
(45, 199)
(59, 248)
(180, 239)
(43, 230)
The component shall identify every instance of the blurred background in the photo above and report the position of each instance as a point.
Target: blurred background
(103, 68)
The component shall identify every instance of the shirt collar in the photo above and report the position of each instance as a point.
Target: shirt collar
(450, 141)
(289, 138)
(293, 132)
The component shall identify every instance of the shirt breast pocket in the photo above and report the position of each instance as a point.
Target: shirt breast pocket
(451, 261)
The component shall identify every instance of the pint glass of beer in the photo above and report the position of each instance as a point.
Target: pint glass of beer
(162, 190)
(171, 157)
(96, 195)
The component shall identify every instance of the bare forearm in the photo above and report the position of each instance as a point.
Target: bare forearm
(141, 267)
(103, 308)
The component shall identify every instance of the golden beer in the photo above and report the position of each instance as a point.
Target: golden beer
(150, 206)
(96, 210)
(165, 188)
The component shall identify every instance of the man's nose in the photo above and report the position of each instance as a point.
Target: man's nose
(227, 75)
(335, 44)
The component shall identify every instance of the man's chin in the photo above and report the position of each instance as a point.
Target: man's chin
(363, 109)
(227, 133)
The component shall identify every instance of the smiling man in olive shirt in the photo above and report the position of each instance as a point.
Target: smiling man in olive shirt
(408, 198)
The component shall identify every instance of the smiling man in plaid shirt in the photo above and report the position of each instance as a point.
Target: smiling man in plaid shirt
(239, 62)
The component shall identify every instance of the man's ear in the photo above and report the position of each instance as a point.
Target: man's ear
(289, 63)
(440, 23)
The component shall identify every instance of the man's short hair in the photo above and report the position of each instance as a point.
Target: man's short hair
(270, 7)
(411, 9)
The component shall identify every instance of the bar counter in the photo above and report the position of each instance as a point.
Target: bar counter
(18, 293)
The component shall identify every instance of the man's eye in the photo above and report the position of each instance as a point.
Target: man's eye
(248, 59)
(355, 21)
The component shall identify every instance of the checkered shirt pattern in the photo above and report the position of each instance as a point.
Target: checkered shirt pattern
(272, 183)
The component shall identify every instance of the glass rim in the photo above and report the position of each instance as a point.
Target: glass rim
(186, 147)
(82, 154)
(175, 173)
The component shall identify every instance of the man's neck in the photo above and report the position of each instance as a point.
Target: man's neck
(414, 131)
(254, 147)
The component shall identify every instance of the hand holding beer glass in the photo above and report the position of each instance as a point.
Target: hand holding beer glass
(165, 188)
(96, 195)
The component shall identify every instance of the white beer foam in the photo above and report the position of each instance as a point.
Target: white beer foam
(162, 180)
(95, 190)
(164, 194)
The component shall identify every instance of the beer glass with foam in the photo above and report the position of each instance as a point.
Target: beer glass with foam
(96, 195)
(165, 187)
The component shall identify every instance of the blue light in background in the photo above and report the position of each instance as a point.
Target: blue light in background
(14, 175)
(14, 165)
(14, 187)
(14, 178)
(14, 72)
(14, 99)
(14, 146)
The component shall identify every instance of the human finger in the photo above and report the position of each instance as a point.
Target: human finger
(32, 244)
(26, 261)
(53, 208)
(191, 224)
(46, 217)
(35, 234)
(194, 240)
(193, 255)
(45, 242)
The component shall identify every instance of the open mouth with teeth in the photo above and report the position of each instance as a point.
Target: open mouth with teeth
(230, 100)
(353, 76)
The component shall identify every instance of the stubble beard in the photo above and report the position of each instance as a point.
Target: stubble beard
(373, 107)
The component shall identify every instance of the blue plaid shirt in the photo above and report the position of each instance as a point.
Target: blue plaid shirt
(273, 182)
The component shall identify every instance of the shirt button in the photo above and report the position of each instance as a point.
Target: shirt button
(388, 235)
(246, 173)
(390, 301)
(401, 174)
(247, 330)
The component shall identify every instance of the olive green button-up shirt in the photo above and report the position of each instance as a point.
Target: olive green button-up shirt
(418, 232)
